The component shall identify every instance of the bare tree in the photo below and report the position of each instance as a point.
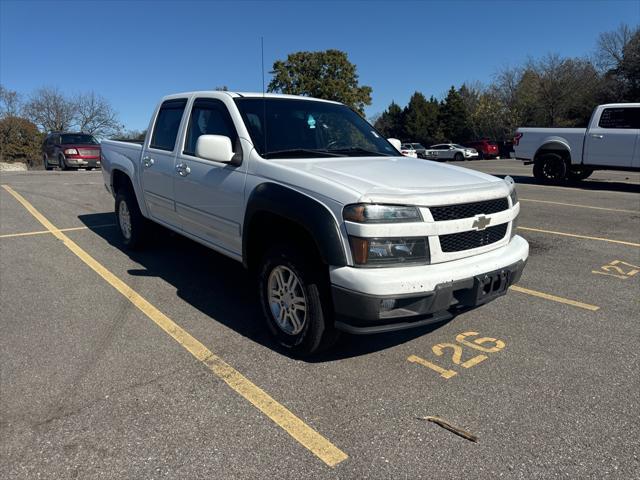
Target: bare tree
(94, 115)
(565, 89)
(50, 109)
(10, 103)
(610, 47)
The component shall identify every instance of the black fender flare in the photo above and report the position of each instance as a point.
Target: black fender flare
(311, 215)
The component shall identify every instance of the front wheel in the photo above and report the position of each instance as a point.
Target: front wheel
(61, 163)
(131, 224)
(45, 162)
(295, 301)
(458, 157)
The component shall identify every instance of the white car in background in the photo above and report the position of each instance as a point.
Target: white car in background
(417, 147)
(408, 151)
(451, 151)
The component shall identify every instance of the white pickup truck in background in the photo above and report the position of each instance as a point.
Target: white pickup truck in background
(610, 142)
(341, 231)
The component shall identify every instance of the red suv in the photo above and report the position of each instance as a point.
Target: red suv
(70, 150)
(485, 147)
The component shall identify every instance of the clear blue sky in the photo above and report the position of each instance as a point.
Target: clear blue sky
(135, 52)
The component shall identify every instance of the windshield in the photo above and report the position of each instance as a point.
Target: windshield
(308, 128)
(458, 146)
(418, 146)
(77, 138)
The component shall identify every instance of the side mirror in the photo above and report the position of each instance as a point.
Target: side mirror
(395, 142)
(216, 148)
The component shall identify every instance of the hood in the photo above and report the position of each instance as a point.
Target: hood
(403, 179)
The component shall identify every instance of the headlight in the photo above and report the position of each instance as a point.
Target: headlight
(371, 213)
(71, 151)
(514, 227)
(380, 252)
(513, 195)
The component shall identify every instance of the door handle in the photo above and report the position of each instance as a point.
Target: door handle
(183, 169)
(596, 135)
(148, 161)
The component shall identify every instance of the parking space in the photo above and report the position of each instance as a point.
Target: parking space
(173, 375)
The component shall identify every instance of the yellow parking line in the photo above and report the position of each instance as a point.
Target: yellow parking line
(554, 298)
(41, 232)
(586, 237)
(579, 206)
(294, 426)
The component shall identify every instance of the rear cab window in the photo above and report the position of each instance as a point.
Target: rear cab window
(167, 124)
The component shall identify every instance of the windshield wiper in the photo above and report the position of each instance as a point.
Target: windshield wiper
(358, 150)
(307, 152)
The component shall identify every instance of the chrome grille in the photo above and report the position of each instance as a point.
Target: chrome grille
(457, 242)
(467, 210)
(89, 152)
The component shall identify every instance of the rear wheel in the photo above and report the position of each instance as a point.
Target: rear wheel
(550, 168)
(45, 162)
(295, 301)
(131, 223)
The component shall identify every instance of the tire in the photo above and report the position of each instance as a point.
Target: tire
(481, 155)
(303, 327)
(61, 163)
(550, 168)
(579, 173)
(45, 162)
(131, 223)
(458, 157)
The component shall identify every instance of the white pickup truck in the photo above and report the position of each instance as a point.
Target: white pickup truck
(342, 232)
(611, 142)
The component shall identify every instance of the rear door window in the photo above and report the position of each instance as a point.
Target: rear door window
(165, 130)
(620, 118)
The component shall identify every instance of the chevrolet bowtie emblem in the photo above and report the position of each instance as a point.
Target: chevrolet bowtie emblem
(481, 222)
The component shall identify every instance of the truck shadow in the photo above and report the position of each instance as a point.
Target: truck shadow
(587, 184)
(223, 290)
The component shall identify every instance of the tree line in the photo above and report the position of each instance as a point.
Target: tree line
(552, 91)
(549, 92)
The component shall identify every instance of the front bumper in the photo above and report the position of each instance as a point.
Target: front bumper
(415, 296)
(83, 162)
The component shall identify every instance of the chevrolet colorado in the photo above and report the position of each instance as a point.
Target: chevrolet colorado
(610, 142)
(342, 232)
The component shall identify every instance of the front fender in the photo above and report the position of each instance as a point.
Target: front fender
(300, 209)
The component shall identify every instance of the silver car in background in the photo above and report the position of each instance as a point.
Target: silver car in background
(451, 151)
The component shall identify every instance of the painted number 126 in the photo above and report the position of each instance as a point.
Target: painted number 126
(483, 344)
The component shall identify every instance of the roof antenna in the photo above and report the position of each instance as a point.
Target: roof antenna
(264, 101)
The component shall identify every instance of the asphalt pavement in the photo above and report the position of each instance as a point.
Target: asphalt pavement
(174, 376)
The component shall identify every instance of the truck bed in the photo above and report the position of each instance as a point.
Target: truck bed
(533, 138)
(126, 154)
